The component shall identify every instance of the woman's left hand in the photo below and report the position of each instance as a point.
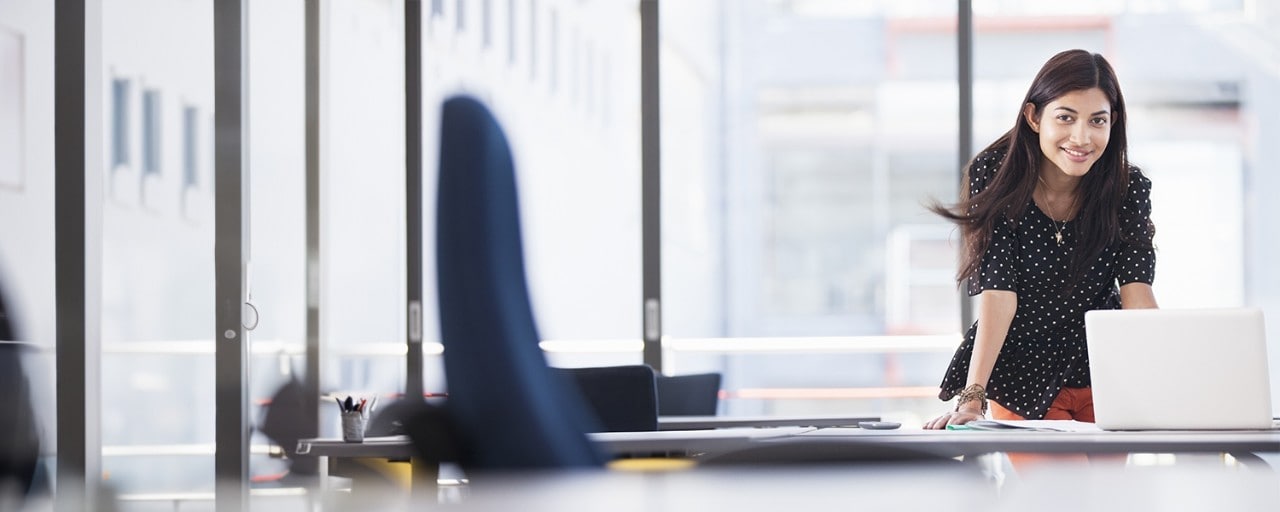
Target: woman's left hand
(959, 417)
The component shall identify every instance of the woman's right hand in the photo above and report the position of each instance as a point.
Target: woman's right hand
(960, 417)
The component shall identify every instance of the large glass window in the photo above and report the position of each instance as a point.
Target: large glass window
(800, 140)
(569, 104)
(276, 221)
(157, 416)
(362, 196)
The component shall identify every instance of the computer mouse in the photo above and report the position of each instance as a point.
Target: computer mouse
(879, 425)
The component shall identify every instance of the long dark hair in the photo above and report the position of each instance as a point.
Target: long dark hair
(1101, 191)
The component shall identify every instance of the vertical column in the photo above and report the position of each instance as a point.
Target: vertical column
(413, 193)
(78, 250)
(964, 75)
(651, 184)
(311, 79)
(231, 252)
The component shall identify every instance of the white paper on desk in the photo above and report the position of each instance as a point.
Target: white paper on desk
(1034, 425)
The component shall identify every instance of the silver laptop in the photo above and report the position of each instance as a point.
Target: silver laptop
(1179, 369)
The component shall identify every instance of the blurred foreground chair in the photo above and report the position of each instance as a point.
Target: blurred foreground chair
(282, 423)
(20, 470)
(623, 398)
(506, 409)
(695, 394)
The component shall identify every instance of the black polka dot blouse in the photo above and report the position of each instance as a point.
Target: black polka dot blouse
(1045, 349)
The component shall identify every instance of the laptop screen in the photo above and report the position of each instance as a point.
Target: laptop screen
(1176, 369)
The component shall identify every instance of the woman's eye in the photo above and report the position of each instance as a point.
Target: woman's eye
(1064, 118)
(1100, 121)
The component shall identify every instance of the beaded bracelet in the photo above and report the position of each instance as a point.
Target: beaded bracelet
(972, 393)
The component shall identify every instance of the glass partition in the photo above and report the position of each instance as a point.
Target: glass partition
(276, 223)
(800, 141)
(157, 423)
(562, 78)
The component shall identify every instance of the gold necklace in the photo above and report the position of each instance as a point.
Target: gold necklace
(1057, 231)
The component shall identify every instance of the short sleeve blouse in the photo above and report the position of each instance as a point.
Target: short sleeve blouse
(1045, 348)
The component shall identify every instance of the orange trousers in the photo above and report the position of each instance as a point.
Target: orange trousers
(1070, 404)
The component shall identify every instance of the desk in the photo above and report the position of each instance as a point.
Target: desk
(391, 447)
(705, 422)
(1190, 488)
(802, 444)
(1196, 487)
(688, 442)
(423, 480)
(942, 443)
(959, 443)
(616, 443)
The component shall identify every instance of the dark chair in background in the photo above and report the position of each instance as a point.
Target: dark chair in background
(623, 398)
(688, 395)
(282, 422)
(19, 435)
(506, 408)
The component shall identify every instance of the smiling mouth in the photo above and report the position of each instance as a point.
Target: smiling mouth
(1076, 155)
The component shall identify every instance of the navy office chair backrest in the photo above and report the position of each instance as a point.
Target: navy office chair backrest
(696, 394)
(504, 401)
(623, 398)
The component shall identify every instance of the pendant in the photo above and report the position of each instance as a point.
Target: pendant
(1058, 237)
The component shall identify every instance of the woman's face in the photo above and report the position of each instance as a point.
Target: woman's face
(1074, 130)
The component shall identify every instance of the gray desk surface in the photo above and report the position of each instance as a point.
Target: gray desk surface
(836, 442)
(688, 441)
(957, 443)
(935, 442)
(1184, 487)
(619, 443)
(705, 422)
(396, 447)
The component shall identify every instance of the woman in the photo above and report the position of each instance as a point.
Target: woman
(1056, 222)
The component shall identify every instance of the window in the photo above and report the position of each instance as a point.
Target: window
(796, 146)
(553, 74)
(486, 20)
(11, 103)
(190, 149)
(533, 39)
(151, 132)
(799, 142)
(119, 122)
(511, 31)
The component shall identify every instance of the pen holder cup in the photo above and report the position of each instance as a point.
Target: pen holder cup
(353, 424)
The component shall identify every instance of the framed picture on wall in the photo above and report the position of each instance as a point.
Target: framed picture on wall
(11, 103)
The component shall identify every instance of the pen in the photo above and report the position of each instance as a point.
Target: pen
(339, 400)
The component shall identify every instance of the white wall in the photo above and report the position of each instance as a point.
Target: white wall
(26, 209)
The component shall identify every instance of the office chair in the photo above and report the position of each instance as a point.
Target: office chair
(623, 398)
(688, 395)
(282, 422)
(506, 407)
(20, 470)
